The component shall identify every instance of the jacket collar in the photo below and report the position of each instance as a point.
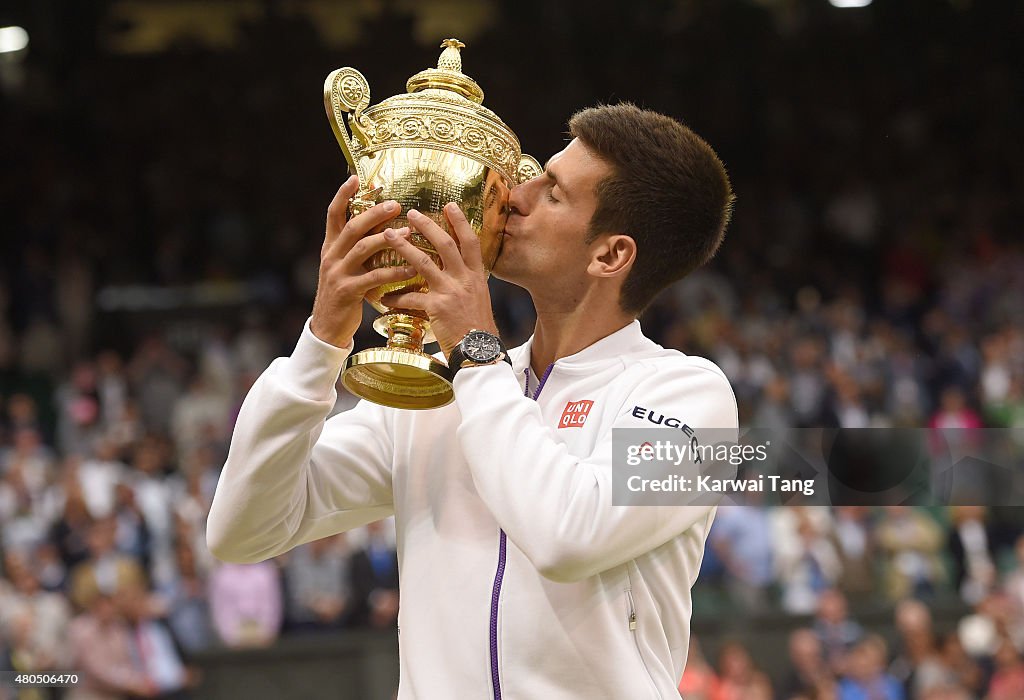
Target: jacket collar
(629, 338)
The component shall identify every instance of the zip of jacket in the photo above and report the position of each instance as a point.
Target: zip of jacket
(499, 573)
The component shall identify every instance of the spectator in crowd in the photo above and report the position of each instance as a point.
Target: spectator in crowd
(741, 539)
(808, 389)
(972, 549)
(760, 688)
(773, 410)
(1008, 680)
(318, 584)
(35, 620)
(48, 568)
(114, 395)
(192, 498)
(964, 671)
(856, 544)
(918, 665)
(106, 570)
(22, 413)
(126, 428)
(954, 413)
(26, 471)
(1007, 410)
(836, 631)
(71, 531)
(78, 410)
(183, 602)
(154, 649)
(131, 530)
(807, 667)
(202, 409)
(246, 602)
(994, 619)
(374, 572)
(699, 681)
(866, 678)
(157, 374)
(154, 494)
(30, 458)
(739, 677)
(910, 541)
(806, 558)
(99, 475)
(1013, 581)
(102, 650)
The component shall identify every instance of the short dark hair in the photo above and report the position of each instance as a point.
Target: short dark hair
(668, 191)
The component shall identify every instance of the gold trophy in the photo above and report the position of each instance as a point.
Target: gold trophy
(433, 145)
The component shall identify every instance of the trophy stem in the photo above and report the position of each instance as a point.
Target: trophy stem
(405, 330)
(400, 375)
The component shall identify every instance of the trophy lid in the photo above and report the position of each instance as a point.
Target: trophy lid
(448, 75)
(442, 110)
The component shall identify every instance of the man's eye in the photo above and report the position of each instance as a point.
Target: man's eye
(551, 195)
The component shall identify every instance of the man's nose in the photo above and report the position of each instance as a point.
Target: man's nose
(518, 198)
(515, 200)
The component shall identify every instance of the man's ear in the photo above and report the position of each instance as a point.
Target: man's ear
(612, 255)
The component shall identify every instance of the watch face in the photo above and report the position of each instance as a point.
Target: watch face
(480, 346)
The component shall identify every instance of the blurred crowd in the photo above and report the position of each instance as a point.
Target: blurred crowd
(824, 564)
(835, 657)
(105, 571)
(104, 567)
(150, 268)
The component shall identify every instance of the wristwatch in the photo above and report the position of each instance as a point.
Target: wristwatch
(477, 348)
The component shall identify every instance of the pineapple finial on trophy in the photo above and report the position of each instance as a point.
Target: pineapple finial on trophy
(451, 57)
(448, 75)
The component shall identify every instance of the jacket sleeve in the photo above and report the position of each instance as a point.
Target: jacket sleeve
(291, 477)
(556, 507)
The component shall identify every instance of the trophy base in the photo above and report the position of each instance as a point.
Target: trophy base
(398, 377)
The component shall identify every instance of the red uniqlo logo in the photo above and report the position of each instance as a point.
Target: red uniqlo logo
(575, 414)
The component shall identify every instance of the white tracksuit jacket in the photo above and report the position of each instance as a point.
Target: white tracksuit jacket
(519, 579)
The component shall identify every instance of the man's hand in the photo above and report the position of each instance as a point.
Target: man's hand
(344, 280)
(459, 300)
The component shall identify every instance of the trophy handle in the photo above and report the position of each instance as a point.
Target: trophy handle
(528, 169)
(345, 91)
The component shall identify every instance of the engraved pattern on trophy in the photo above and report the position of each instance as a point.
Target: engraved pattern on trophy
(439, 129)
(432, 145)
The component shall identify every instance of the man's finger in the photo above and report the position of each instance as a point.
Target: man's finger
(469, 244)
(361, 224)
(405, 300)
(443, 243)
(337, 211)
(369, 245)
(382, 275)
(415, 257)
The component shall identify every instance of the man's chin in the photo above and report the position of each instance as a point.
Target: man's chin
(501, 272)
(496, 271)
